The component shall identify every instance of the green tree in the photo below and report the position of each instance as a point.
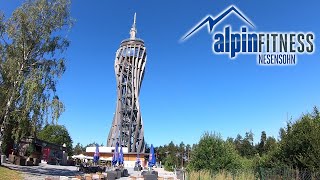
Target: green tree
(78, 149)
(300, 144)
(248, 146)
(245, 146)
(282, 133)
(56, 134)
(93, 144)
(181, 154)
(230, 140)
(188, 150)
(238, 141)
(161, 154)
(147, 148)
(214, 154)
(262, 144)
(271, 144)
(173, 156)
(170, 162)
(32, 43)
(170, 154)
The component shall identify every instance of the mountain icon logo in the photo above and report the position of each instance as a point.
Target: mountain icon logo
(211, 21)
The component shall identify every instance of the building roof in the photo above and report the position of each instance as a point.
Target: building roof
(104, 149)
(42, 143)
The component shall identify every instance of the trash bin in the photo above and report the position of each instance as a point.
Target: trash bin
(124, 173)
(118, 173)
(3, 159)
(111, 175)
(180, 174)
(150, 177)
(155, 173)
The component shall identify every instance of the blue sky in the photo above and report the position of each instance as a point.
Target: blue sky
(187, 90)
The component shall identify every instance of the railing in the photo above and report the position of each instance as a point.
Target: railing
(260, 173)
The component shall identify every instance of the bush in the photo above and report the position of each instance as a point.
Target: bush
(169, 163)
(212, 153)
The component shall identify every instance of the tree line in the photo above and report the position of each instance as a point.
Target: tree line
(297, 147)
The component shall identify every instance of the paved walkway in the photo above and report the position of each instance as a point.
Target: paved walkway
(53, 171)
(44, 170)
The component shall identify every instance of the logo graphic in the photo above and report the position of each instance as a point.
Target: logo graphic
(271, 48)
(215, 21)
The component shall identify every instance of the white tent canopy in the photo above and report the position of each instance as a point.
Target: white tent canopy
(81, 156)
(106, 159)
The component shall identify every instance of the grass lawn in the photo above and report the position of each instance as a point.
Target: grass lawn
(6, 173)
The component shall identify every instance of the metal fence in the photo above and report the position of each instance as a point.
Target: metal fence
(259, 174)
(285, 173)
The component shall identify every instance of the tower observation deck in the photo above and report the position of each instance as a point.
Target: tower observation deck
(129, 65)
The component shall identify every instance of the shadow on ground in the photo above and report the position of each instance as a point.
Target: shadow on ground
(45, 170)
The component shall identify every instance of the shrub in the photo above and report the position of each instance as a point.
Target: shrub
(212, 153)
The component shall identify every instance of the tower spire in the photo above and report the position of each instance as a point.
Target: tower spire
(133, 30)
